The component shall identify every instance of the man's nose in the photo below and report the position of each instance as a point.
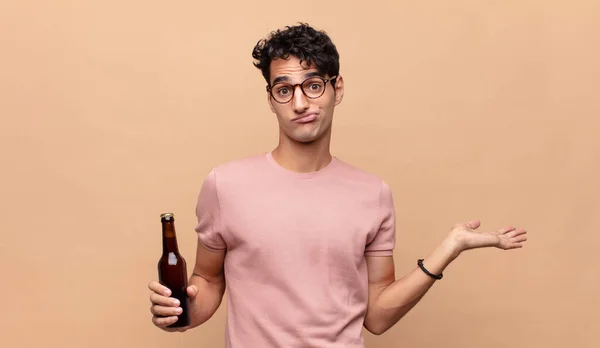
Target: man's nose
(300, 102)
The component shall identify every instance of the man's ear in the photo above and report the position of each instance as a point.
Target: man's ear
(339, 89)
(270, 101)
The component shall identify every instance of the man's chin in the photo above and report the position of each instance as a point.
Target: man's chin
(306, 138)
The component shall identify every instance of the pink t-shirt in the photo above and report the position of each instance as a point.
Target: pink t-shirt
(295, 266)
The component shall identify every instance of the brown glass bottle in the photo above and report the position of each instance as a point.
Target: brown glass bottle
(172, 269)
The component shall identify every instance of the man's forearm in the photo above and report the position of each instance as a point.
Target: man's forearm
(208, 299)
(394, 301)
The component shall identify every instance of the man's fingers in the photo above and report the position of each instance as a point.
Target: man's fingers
(192, 291)
(473, 224)
(159, 288)
(163, 300)
(516, 232)
(519, 239)
(505, 230)
(165, 311)
(163, 321)
(514, 243)
(164, 308)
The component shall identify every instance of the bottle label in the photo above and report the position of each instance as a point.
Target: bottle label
(172, 259)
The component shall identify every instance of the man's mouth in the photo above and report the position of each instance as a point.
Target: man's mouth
(305, 119)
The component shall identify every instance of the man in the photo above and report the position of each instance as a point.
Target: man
(303, 240)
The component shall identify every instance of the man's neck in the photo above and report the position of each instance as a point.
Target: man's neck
(302, 158)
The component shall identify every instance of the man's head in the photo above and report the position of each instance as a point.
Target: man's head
(301, 68)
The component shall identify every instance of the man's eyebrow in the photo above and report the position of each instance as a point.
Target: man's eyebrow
(313, 74)
(287, 79)
(281, 79)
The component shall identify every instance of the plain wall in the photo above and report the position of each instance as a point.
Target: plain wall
(114, 111)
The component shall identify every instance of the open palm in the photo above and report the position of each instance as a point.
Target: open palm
(467, 237)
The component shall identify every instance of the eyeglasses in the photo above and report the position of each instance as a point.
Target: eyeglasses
(313, 88)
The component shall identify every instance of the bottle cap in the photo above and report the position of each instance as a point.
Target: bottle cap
(165, 216)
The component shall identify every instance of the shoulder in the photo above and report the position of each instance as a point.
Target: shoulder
(364, 183)
(236, 170)
(352, 173)
(240, 166)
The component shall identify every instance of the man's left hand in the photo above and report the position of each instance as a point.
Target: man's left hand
(464, 236)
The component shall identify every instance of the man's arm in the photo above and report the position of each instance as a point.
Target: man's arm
(391, 299)
(208, 276)
(206, 286)
(208, 283)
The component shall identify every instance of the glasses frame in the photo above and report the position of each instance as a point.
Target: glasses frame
(270, 88)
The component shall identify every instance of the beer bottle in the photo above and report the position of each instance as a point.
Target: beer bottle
(172, 270)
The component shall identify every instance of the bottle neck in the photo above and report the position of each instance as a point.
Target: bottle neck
(169, 238)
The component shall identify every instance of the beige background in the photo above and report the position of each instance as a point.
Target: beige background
(114, 111)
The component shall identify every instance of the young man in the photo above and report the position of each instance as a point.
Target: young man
(303, 240)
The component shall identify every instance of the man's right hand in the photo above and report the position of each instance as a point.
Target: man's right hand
(164, 308)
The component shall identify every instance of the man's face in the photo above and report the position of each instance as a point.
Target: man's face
(303, 119)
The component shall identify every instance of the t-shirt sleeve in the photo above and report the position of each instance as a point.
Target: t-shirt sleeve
(208, 213)
(384, 239)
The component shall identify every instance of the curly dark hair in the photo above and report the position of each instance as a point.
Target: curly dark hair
(302, 41)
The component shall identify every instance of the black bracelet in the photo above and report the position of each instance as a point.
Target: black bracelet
(420, 263)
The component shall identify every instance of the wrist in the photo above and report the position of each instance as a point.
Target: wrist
(451, 247)
(437, 261)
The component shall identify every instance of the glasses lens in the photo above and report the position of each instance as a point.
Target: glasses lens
(282, 92)
(313, 88)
